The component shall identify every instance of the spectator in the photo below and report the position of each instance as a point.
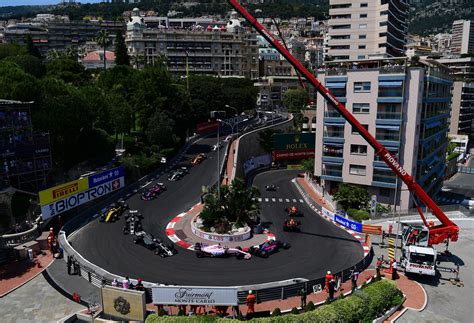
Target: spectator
(139, 285)
(303, 295)
(354, 277)
(114, 282)
(331, 289)
(329, 277)
(251, 300)
(126, 282)
(394, 270)
(378, 267)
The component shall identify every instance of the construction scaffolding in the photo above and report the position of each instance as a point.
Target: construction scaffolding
(25, 155)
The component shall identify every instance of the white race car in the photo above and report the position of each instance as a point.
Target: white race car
(219, 251)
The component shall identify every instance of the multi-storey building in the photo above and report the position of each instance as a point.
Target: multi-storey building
(405, 108)
(229, 50)
(59, 35)
(362, 29)
(25, 156)
(462, 101)
(462, 41)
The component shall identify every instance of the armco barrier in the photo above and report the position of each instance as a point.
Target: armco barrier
(100, 277)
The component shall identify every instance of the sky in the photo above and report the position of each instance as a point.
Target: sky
(4, 3)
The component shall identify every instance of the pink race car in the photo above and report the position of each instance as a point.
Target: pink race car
(218, 251)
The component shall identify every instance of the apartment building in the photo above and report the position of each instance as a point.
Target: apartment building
(462, 102)
(362, 29)
(462, 41)
(229, 50)
(405, 108)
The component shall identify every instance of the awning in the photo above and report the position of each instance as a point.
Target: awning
(390, 83)
(332, 163)
(333, 144)
(379, 126)
(336, 85)
(334, 124)
(432, 124)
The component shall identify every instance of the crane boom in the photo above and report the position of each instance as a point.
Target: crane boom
(447, 230)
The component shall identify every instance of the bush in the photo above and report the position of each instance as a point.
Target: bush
(309, 307)
(352, 212)
(382, 296)
(294, 310)
(276, 312)
(360, 215)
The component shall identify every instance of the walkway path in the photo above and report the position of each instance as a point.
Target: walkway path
(17, 273)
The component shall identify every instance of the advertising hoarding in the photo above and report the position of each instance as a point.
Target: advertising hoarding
(67, 196)
(124, 304)
(356, 226)
(292, 141)
(206, 127)
(61, 191)
(183, 295)
(292, 154)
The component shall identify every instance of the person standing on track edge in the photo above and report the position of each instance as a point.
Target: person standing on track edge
(303, 298)
(331, 289)
(354, 277)
(251, 300)
(329, 277)
(394, 270)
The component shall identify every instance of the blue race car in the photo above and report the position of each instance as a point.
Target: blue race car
(267, 248)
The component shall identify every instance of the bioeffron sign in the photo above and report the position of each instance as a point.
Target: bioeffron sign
(188, 295)
(67, 196)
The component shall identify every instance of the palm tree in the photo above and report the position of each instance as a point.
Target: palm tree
(103, 40)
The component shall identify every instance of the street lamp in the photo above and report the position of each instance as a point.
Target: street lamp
(236, 114)
(218, 155)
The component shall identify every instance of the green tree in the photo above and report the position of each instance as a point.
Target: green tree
(28, 63)
(120, 114)
(31, 48)
(266, 140)
(7, 50)
(295, 100)
(121, 54)
(68, 70)
(160, 130)
(238, 204)
(352, 197)
(308, 165)
(15, 84)
(103, 41)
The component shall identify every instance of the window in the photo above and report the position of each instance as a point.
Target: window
(341, 27)
(362, 36)
(355, 132)
(361, 46)
(383, 23)
(363, 15)
(357, 170)
(385, 192)
(362, 26)
(361, 108)
(384, 13)
(382, 45)
(360, 56)
(363, 5)
(341, 37)
(361, 87)
(358, 149)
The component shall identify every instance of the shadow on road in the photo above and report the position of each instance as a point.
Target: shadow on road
(328, 237)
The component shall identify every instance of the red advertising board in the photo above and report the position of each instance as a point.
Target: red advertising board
(206, 127)
(292, 154)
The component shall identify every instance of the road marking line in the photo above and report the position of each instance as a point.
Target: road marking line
(280, 200)
(287, 200)
(273, 200)
(294, 200)
(260, 199)
(266, 199)
(301, 201)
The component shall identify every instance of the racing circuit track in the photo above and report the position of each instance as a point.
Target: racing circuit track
(321, 246)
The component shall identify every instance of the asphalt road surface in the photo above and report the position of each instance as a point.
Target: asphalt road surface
(320, 246)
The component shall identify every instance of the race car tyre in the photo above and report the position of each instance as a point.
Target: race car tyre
(285, 245)
(264, 254)
(135, 241)
(199, 254)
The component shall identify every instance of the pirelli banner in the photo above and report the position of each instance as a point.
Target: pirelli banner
(67, 196)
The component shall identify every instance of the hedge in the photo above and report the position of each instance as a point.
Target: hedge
(358, 215)
(364, 305)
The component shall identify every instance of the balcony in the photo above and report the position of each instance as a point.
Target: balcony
(389, 115)
(332, 173)
(392, 69)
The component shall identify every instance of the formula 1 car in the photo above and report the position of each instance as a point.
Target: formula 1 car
(291, 225)
(147, 240)
(267, 248)
(293, 211)
(132, 223)
(153, 192)
(271, 188)
(113, 213)
(198, 159)
(218, 251)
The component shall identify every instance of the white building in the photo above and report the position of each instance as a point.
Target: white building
(463, 37)
(361, 29)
